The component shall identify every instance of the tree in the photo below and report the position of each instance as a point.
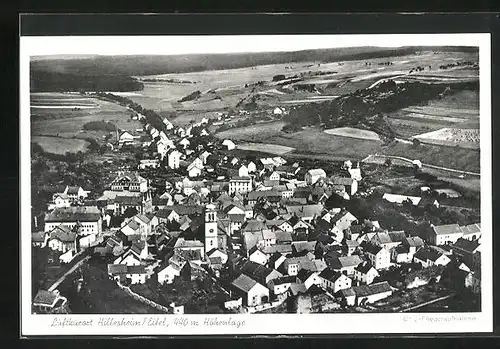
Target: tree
(130, 212)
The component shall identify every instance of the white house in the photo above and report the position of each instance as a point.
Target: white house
(88, 219)
(428, 257)
(168, 124)
(148, 163)
(334, 281)
(254, 293)
(229, 144)
(184, 143)
(61, 239)
(365, 273)
(173, 158)
(243, 171)
(444, 234)
(240, 185)
(312, 176)
(59, 200)
(258, 257)
(194, 169)
(379, 257)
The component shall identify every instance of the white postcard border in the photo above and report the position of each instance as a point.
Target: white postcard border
(367, 323)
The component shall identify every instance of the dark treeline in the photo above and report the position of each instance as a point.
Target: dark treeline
(42, 81)
(152, 117)
(153, 65)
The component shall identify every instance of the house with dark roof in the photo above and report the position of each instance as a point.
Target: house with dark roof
(301, 248)
(281, 285)
(465, 249)
(334, 281)
(275, 260)
(39, 238)
(135, 274)
(308, 278)
(471, 231)
(365, 273)
(379, 257)
(252, 292)
(350, 184)
(62, 238)
(344, 264)
(365, 294)
(428, 257)
(259, 272)
(48, 301)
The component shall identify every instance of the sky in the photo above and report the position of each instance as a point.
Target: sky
(171, 45)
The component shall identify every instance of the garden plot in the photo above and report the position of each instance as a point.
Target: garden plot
(465, 138)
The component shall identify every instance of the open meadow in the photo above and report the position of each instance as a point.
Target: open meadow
(63, 115)
(221, 90)
(58, 145)
(457, 110)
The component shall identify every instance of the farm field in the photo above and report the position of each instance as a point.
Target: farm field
(68, 123)
(222, 89)
(354, 133)
(459, 110)
(464, 138)
(265, 148)
(58, 145)
(316, 142)
(257, 132)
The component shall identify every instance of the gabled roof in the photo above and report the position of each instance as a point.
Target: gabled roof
(45, 298)
(283, 236)
(471, 229)
(467, 245)
(330, 275)
(364, 268)
(181, 243)
(367, 290)
(425, 254)
(38, 236)
(317, 172)
(73, 214)
(345, 262)
(371, 248)
(341, 180)
(281, 248)
(253, 225)
(305, 210)
(447, 229)
(72, 190)
(244, 283)
(301, 246)
(414, 241)
(63, 233)
(397, 236)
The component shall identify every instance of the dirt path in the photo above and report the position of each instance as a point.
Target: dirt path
(65, 275)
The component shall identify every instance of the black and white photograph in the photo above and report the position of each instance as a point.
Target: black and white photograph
(256, 184)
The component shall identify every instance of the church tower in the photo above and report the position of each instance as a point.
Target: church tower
(210, 228)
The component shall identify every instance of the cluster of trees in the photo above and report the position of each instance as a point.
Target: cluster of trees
(151, 116)
(458, 64)
(190, 97)
(99, 126)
